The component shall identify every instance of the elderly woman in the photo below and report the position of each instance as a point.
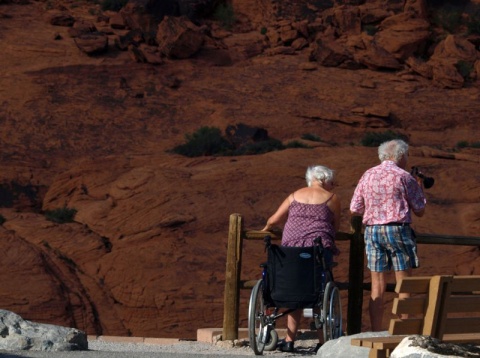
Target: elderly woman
(308, 213)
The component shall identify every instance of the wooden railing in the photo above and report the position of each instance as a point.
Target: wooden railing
(355, 286)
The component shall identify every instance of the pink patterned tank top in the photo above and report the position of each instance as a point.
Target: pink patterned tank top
(306, 222)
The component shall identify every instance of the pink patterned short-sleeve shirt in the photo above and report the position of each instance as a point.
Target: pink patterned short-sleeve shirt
(385, 194)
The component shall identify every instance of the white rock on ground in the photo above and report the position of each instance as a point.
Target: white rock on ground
(342, 348)
(17, 334)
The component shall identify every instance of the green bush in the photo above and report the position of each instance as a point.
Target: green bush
(205, 141)
(61, 215)
(473, 24)
(311, 137)
(370, 29)
(259, 147)
(208, 141)
(371, 139)
(466, 144)
(296, 144)
(449, 19)
(2, 219)
(225, 15)
(113, 5)
(462, 144)
(464, 68)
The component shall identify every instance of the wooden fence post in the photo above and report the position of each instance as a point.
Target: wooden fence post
(355, 278)
(232, 279)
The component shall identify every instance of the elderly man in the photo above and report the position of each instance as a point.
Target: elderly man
(385, 196)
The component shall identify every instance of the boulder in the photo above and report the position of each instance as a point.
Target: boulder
(61, 19)
(372, 13)
(419, 66)
(92, 43)
(178, 37)
(347, 19)
(19, 334)
(375, 57)
(146, 54)
(341, 347)
(428, 347)
(446, 75)
(450, 55)
(243, 46)
(418, 7)
(81, 27)
(329, 52)
(403, 35)
(453, 49)
(138, 15)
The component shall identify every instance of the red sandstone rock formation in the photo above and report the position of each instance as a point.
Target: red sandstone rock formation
(146, 253)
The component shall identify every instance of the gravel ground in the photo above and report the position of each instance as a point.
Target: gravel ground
(190, 349)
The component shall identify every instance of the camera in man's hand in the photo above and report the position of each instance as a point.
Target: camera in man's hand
(427, 181)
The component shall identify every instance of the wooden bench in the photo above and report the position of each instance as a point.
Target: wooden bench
(443, 307)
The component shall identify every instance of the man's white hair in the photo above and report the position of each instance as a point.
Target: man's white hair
(392, 150)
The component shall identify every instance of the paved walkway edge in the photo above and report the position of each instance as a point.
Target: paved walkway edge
(208, 335)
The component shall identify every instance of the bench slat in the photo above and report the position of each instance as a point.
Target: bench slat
(463, 304)
(413, 285)
(465, 283)
(370, 341)
(462, 338)
(410, 305)
(406, 326)
(463, 325)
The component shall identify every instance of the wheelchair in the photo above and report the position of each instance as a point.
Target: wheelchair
(293, 278)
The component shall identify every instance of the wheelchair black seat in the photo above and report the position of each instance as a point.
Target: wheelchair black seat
(294, 277)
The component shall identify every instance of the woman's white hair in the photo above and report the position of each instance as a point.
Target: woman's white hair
(319, 173)
(392, 150)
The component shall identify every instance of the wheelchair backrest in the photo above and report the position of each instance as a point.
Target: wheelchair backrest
(294, 276)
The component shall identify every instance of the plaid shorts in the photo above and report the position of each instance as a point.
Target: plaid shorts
(390, 246)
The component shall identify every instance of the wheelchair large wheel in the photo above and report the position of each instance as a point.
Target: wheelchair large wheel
(331, 313)
(259, 333)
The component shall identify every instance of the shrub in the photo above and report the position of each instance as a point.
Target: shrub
(61, 215)
(465, 144)
(448, 19)
(371, 139)
(225, 15)
(296, 144)
(205, 141)
(370, 29)
(462, 144)
(464, 68)
(209, 141)
(2, 219)
(113, 5)
(473, 24)
(311, 137)
(259, 147)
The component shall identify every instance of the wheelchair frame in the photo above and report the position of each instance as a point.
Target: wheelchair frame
(262, 315)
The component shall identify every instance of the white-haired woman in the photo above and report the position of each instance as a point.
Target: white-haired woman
(308, 213)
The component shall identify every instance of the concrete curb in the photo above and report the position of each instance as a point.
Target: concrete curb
(120, 339)
(206, 335)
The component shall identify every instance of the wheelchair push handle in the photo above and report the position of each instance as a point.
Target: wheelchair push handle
(268, 242)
